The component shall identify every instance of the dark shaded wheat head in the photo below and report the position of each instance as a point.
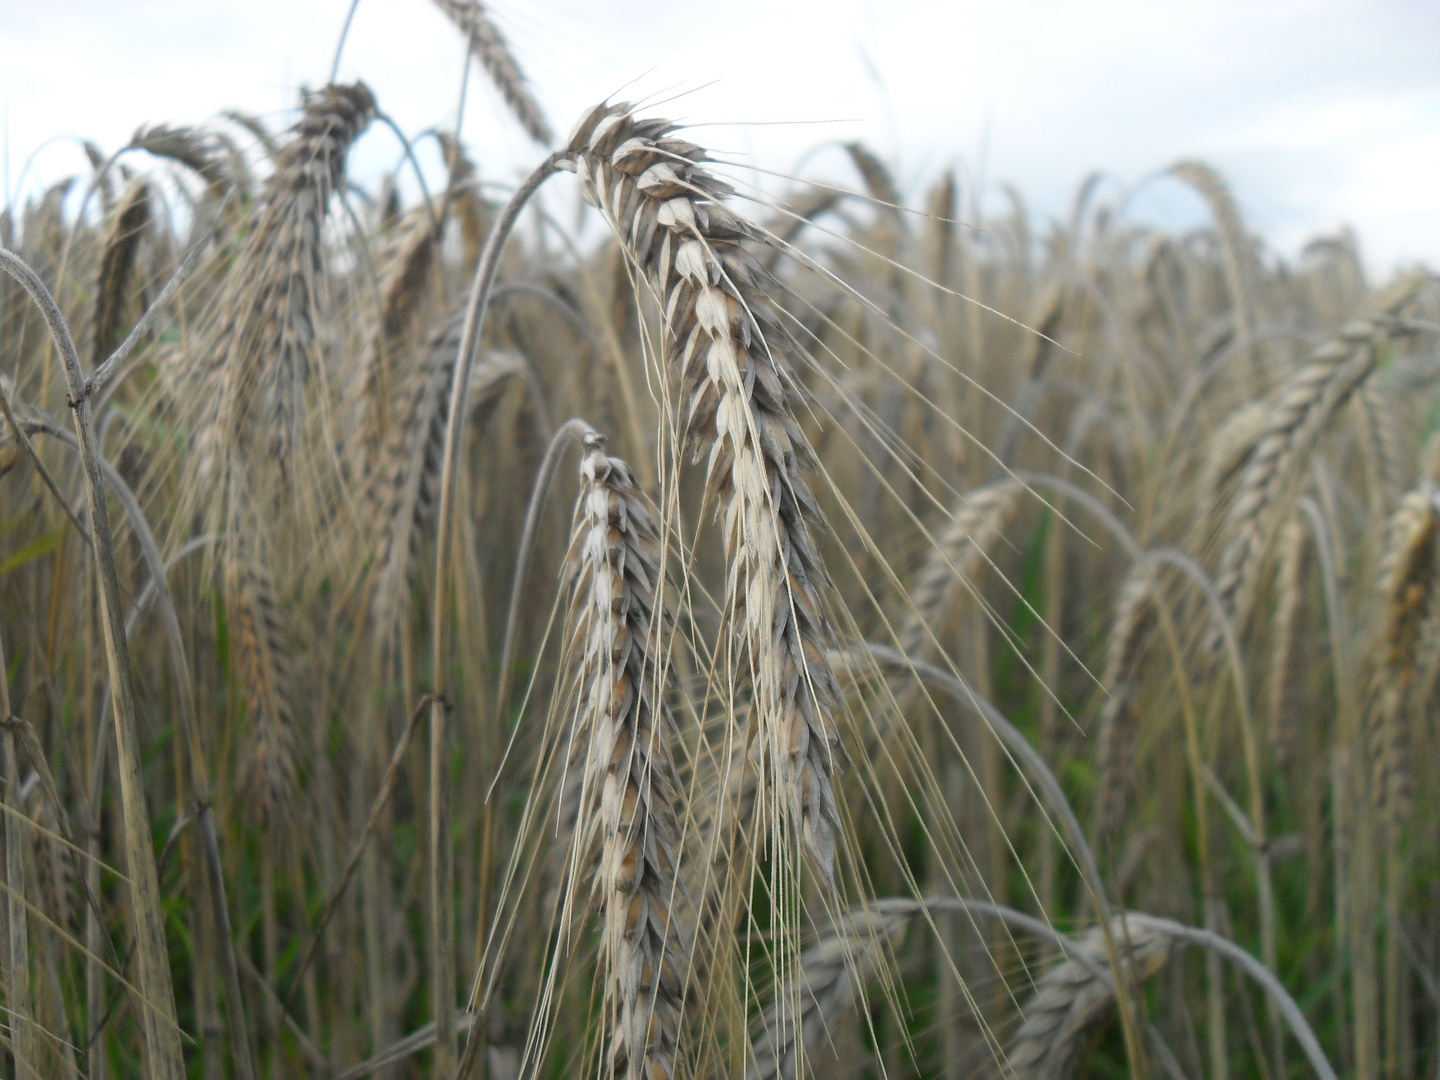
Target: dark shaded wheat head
(115, 287)
(266, 333)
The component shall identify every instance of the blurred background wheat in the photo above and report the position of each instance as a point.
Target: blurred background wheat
(657, 618)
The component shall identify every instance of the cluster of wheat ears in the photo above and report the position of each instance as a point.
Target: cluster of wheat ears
(971, 652)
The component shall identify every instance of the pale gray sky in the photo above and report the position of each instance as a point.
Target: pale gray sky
(1320, 112)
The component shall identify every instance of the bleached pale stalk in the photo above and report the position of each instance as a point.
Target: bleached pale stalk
(724, 336)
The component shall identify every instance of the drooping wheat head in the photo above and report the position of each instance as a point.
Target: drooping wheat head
(1299, 415)
(494, 55)
(264, 341)
(1135, 618)
(1069, 999)
(725, 337)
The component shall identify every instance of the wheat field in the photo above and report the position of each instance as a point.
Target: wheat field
(735, 637)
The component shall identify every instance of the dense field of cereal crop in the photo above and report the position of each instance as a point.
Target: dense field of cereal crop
(759, 637)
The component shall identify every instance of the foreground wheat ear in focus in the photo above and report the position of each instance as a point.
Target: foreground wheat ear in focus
(867, 640)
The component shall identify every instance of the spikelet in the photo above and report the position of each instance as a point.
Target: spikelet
(113, 288)
(1407, 588)
(724, 335)
(1069, 998)
(1134, 619)
(1297, 418)
(630, 790)
(957, 557)
(264, 342)
(491, 49)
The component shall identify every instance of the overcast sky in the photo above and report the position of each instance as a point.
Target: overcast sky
(1320, 112)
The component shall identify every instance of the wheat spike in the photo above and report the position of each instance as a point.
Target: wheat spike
(465, 201)
(267, 330)
(197, 150)
(827, 977)
(404, 281)
(117, 263)
(957, 558)
(878, 181)
(1229, 451)
(1290, 586)
(406, 479)
(491, 49)
(724, 335)
(1407, 586)
(1234, 246)
(1134, 619)
(1297, 418)
(1069, 998)
(941, 209)
(55, 870)
(269, 770)
(630, 789)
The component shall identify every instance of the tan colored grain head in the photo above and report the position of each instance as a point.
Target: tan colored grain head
(266, 336)
(959, 556)
(1299, 415)
(494, 55)
(1069, 999)
(1291, 588)
(805, 1010)
(1407, 586)
(1135, 616)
